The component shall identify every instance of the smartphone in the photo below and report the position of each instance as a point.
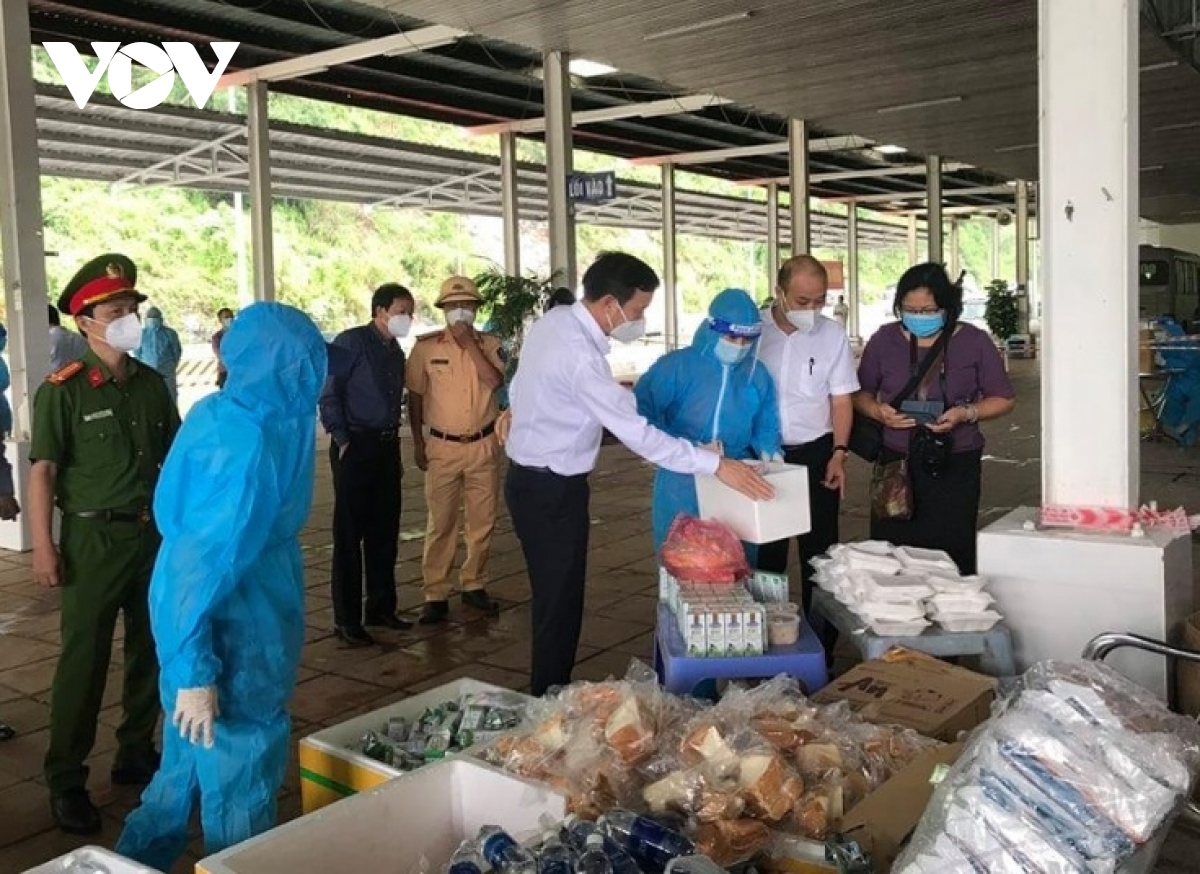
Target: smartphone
(923, 412)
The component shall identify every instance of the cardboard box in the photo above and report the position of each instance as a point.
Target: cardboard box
(916, 690)
(91, 859)
(423, 814)
(786, 515)
(330, 770)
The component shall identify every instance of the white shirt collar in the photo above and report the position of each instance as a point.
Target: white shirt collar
(591, 327)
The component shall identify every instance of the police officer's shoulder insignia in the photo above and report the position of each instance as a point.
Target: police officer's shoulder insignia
(432, 335)
(64, 373)
(96, 377)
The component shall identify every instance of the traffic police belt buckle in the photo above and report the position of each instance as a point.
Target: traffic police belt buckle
(141, 516)
(463, 438)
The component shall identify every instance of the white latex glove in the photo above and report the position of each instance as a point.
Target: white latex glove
(196, 713)
(771, 457)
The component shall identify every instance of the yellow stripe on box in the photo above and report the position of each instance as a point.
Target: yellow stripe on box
(325, 778)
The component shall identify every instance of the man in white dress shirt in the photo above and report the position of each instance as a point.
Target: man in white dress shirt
(562, 398)
(808, 356)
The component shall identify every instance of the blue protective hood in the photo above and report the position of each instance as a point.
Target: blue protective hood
(732, 307)
(276, 360)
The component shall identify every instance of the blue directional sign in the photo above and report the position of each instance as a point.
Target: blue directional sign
(591, 187)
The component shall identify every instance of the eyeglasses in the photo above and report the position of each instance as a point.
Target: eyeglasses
(927, 311)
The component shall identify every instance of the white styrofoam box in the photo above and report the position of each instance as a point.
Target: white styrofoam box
(342, 740)
(424, 813)
(785, 515)
(1058, 590)
(91, 860)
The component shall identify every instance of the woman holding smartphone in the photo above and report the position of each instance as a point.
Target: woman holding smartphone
(963, 385)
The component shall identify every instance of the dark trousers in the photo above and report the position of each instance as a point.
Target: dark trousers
(945, 509)
(366, 525)
(107, 567)
(824, 506)
(550, 516)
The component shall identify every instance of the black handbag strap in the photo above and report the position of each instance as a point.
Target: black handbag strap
(931, 357)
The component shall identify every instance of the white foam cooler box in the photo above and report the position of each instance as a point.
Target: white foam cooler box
(786, 515)
(331, 769)
(91, 860)
(424, 814)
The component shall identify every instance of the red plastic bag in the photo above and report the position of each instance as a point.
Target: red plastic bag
(699, 551)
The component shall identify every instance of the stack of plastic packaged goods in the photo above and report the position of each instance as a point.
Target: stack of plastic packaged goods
(1077, 771)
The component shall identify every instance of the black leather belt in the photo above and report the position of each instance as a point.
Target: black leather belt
(142, 516)
(463, 438)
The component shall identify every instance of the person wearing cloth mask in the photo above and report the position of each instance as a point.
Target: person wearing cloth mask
(360, 408)
(808, 355)
(160, 349)
(101, 430)
(452, 378)
(966, 383)
(225, 318)
(227, 596)
(713, 394)
(563, 397)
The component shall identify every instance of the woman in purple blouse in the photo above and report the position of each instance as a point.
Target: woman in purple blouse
(971, 385)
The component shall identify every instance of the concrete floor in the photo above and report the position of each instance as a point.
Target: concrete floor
(336, 683)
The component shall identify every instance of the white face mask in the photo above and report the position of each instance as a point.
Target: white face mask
(629, 330)
(801, 320)
(460, 314)
(399, 325)
(123, 334)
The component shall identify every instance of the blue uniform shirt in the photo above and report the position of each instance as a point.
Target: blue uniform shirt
(368, 394)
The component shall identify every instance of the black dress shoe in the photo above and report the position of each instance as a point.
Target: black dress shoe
(393, 622)
(136, 770)
(74, 812)
(7, 732)
(353, 635)
(479, 599)
(434, 612)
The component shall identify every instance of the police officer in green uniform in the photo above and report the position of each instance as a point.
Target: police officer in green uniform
(101, 429)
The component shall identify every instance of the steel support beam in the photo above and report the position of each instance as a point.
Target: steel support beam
(798, 172)
(262, 238)
(649, 109)
(510, 208)
(559, 164)
(912, 240)
(670, 292)
(1022, 223)
(933, 221)
(772, 236)
(852, 267)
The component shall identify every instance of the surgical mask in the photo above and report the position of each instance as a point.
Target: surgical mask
(460, 314)
(730, 353)
(123, 334)
(629, 330)
(921, 325)
(399, 325)
(802, 320)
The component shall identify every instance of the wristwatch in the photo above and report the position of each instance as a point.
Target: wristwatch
(845, 449)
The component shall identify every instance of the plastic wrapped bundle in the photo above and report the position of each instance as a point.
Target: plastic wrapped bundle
(700, 551)
(1078, 769)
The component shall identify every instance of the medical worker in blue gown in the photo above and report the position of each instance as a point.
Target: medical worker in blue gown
(227, 595)
(712, 392)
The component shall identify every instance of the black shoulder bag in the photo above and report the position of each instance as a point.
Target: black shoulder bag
(866, 435)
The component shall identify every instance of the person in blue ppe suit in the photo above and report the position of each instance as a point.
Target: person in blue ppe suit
(160, 349)
(711, 393)
(227, 595)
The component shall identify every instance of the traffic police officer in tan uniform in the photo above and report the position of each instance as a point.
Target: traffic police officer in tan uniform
(452, 378)
(102, 426)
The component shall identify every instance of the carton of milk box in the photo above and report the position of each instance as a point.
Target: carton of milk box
(769, 588)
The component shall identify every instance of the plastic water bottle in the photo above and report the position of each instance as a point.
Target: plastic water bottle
(651, 844)
(554, 857)
(466, 860)
(505, 854)
(579, 830)
(594, 860)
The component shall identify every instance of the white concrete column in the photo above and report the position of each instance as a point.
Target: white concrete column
(1087, 215)
(559, 164)
(670, 293)
(772, 236)
(1022, 222)
(510, 210)
(852, 266)
(262, 234)
(23, 246)
(798, 171)
(913, 254)
(933, 212)
(995, 250)
(955, 266)
(245, 298)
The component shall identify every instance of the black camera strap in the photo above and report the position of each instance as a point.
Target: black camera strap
(920, 370)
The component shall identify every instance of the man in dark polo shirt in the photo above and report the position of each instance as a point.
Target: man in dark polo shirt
(360, 408)
(101, 429)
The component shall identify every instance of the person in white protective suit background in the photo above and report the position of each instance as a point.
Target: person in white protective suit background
(227, 595)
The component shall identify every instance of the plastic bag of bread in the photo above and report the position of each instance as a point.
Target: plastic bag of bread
(728, 842)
